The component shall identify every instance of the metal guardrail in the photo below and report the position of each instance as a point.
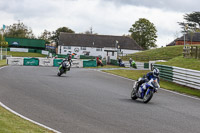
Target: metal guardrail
(182, 76)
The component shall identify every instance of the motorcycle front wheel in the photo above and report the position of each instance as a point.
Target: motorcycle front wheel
(133, 94)
(147, 97)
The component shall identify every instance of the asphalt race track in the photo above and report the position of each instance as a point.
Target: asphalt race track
(88, 101)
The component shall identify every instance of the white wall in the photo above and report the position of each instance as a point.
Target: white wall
(127, 51)
(79, 51)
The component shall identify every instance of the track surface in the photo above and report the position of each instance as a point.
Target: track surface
(88, 101)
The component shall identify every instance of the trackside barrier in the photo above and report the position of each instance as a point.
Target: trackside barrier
(31, 61)
(15, 61)
(56, 62)
(77, 63)
(187, 77)
(45, 62)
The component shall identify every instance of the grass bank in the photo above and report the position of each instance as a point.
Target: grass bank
(189, 63)
(11, 123)
(3, 63)
(135, 74)
(156, 54)
(25, 54)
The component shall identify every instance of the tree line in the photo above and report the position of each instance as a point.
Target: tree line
(142, 31)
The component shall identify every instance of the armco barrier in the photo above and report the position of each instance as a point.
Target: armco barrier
(187, 77)
(31, 61)
(16, 61)
(45, 62)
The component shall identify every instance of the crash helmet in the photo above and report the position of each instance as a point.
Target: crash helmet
(156, 72)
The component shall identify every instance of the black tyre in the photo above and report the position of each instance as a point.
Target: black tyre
(133, 94)
(58, 74)
(148, 97)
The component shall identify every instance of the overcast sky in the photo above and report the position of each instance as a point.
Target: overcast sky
(107, 17)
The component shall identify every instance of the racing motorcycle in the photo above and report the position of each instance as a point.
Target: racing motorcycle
(63, 68)
(145, 91)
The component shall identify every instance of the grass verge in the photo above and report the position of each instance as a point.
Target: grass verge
(25, 54)
(105, 66)
(3, 63)
(11, 123)
(135, 74)
(189, 63)
(156, 54)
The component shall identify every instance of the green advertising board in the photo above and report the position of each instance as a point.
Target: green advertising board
(31, 61)
(89, 63)
(56, 62)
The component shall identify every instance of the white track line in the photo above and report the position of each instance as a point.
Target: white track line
(196, 98)
(7, 108)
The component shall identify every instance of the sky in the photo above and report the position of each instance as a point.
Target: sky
(106, 17)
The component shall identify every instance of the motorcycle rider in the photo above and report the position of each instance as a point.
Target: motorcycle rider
(154, 74)
(64, 62)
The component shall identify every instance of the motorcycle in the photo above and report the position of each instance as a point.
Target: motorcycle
(133, 64)
(145, 91)
(63, 68)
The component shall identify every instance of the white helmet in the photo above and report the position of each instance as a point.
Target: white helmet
(156, 72)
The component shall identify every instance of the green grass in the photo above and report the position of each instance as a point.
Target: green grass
(156, 54)
(11, 123)
(25, 54)
(135, 74)
(105, 66)
(189, 63)
(3, 63)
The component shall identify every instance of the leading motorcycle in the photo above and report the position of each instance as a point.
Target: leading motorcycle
(146, 90)
(63, 68)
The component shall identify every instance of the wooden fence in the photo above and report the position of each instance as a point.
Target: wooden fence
(191, 52)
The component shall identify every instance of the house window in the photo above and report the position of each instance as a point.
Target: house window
(83, 48)
(98, 49)
(67, 47)
(65, 51)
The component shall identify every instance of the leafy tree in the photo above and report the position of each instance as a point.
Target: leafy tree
(192, 22)
(46, 35)
(56, 34)
(3, 43)
(19, 30)
(144, 33)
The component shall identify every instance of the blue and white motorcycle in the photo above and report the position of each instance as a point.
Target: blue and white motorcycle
(145, 91)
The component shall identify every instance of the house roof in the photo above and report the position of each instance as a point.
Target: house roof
(99, 41)
(195, 37)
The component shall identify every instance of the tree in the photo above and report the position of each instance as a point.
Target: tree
(144, 33)
(19, 30)
(192, 22)
(56, 34)
(46, 35)
(3, 43)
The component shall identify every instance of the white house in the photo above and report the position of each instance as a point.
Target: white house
(105, 46)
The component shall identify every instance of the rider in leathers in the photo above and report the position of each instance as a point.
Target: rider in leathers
(154, 74)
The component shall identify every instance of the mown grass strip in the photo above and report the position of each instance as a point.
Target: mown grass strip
(25, 54)
(156, 54)
(3, 63)
(11, 123)
(180, 61)
(135, 74)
